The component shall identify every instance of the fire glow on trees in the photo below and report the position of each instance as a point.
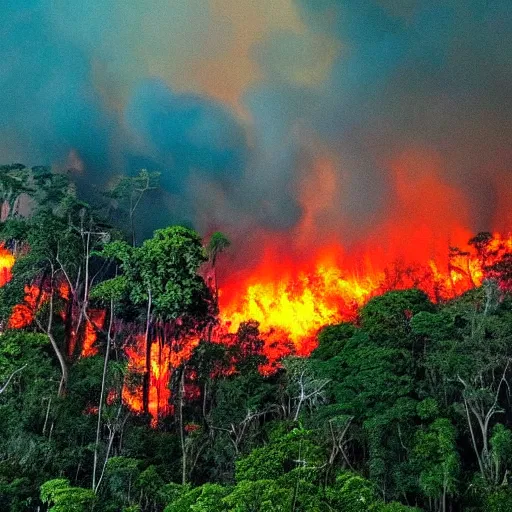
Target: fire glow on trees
(164, 358)
(363, 122)
(291, 302)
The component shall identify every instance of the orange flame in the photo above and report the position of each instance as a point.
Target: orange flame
(159, 378)
(297, 300)
(6, 264)
(306, 278)
(291, 296)
(93, 323)
(164, 358)
(23, 314)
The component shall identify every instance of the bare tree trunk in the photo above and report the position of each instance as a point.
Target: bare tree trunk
(483, 415)
(160, 341)
(132, 227)
(85, 300)
(116, 427)
(48, 331)
(473, 440)
(111, 436)
(205, 391)
(133, 207)
(102, 394)
(4, 387)
(300, 397)
(47, 415)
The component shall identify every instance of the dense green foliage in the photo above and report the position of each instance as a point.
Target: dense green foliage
(407, 409)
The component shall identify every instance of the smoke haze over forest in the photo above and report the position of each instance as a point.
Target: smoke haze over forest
(330, 121)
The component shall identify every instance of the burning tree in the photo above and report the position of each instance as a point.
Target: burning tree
(161, 281)
(54, 268)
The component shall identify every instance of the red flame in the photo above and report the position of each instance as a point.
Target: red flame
(164, 358)
(294, 301)
(160, 375)
(23, 314)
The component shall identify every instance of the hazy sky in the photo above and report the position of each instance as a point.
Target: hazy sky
(336, 115)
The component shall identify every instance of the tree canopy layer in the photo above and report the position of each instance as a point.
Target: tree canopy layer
(405, 409)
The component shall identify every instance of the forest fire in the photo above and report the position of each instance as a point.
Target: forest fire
(23, 314)
(289, 302)
(95, 321)
(298, 304)
(305, 278)
(159, 392)
(300, 301)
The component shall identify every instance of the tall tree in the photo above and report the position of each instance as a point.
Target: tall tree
(128, 193)
(217, 244)
(110, 292)
(163, 279)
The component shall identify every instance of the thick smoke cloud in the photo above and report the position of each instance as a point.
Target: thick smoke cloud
(246, 116)
(49, 106)
(433, 76)
(187, 132)
(427, 75)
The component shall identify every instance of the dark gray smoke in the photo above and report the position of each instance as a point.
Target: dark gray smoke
(98, 85)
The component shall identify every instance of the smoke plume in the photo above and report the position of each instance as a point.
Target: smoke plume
(308, 121)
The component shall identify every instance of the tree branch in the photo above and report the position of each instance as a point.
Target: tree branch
(3, 388)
